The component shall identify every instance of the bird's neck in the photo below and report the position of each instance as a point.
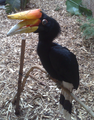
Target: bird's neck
(43, 46)
(43, 51)
(45, 38)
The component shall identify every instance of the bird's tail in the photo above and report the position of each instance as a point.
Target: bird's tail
(65, 104)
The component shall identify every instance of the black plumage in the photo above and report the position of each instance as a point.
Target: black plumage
(58, 61)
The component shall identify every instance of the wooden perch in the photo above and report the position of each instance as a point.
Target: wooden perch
(61, 86)
(17, 111)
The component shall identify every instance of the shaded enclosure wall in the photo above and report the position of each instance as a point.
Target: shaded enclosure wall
(89, 4)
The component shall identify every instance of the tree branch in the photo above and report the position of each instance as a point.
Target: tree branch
(20, 76)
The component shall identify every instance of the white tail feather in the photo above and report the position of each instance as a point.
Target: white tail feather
(67, 97)
(66, 114)
(64, 98)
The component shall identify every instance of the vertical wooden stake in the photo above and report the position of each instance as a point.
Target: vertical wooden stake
(17, 111)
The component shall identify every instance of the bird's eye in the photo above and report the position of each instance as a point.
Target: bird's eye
(44, 21)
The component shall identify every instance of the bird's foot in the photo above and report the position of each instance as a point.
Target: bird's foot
(48, 76)
(58, 85)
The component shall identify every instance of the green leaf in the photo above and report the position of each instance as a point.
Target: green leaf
(8, 9)
(73, 6)
(12, 5)
(84, 26)
(91, 21)
(85, 11)
(88, 29)
(88, 32)
(24, 3)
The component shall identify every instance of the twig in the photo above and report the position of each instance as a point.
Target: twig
(56, 81)
(20, 76)
(25, 78)
(39, 82)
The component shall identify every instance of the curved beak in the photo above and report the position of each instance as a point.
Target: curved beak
(30, 23)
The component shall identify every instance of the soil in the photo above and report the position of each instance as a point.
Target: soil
(40, 98)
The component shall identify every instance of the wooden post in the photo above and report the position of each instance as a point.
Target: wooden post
(17, 111)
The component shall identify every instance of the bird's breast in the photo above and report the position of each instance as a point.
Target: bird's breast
(44, 51)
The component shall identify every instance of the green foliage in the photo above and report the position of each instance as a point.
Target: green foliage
(15, 5)
(24, 3)
(85, 11)
(12, 5)
(8, 8)
(88, 29)
(75, 7)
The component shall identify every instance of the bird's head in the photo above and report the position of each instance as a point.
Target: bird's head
(35, 21)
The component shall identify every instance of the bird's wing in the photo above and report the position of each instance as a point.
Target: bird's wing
(64, 63)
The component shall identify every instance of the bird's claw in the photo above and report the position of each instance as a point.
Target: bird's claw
(48, 76)
(58, 85)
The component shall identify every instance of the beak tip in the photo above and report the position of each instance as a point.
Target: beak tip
(8, 34)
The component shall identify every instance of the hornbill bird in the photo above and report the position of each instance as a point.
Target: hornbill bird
(58, 61)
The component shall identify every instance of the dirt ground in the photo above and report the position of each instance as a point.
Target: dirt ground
(40, 100)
